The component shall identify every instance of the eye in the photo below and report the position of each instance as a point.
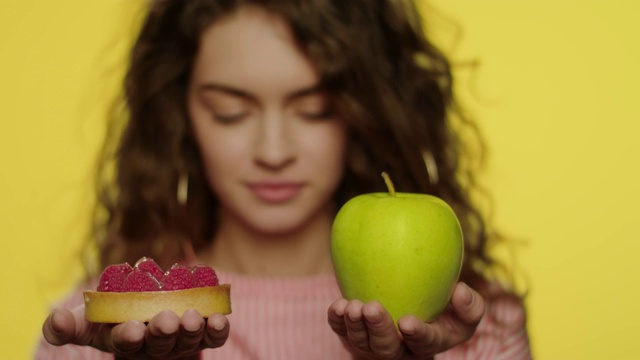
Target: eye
(229, 118)
(314, 107)
(226, 108)
(321, 115)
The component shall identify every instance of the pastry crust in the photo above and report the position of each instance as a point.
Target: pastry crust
(118, 307)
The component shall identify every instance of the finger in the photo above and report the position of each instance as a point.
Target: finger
(60, 327)
(468, 305)
(383, 336)
(421, 339)
(162, 333)
(101, 336)
(455, 326)
(125, 339)
(216, 331)
(69, 326)
(335, 317)
(356, 328)
(191, 332)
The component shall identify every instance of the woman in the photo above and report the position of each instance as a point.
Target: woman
(264, 118)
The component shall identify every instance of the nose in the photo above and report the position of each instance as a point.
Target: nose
(275, 148)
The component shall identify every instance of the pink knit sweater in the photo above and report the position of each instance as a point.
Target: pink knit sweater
(286, 318)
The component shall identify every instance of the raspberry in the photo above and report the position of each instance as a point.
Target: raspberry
(205, 276)
(150, 266)
(179, 277)
(140, 280)
(113, 277)
(147, 275)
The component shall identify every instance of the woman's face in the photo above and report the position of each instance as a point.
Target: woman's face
(273, 150)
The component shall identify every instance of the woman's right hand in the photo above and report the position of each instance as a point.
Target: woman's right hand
(166, 336)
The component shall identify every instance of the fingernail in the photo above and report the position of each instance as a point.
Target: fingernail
(192, 331)
(467, 296)
(352, 317)
(218, 325)
(406, 330)
(374, 318)
(55, 324)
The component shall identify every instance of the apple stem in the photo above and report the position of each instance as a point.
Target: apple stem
(387, 180)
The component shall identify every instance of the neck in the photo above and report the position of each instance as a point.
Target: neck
(301, 252)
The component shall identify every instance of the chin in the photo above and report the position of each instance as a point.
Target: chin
(278, 228)
(281, 223)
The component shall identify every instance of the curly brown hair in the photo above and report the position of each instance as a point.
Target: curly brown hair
(390, 84)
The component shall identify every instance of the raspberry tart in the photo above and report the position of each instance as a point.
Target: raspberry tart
(140, 292)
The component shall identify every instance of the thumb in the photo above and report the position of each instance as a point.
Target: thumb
(468, 304)
(60, 327)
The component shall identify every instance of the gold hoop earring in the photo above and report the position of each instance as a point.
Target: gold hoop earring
(182, 192)
(432, 167)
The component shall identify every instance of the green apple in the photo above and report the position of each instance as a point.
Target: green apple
(402, 249)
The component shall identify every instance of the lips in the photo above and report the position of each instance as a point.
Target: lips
(275, 192)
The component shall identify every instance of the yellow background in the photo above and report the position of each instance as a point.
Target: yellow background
(555, 94)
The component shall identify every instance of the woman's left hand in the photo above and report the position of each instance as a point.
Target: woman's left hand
(369, 332)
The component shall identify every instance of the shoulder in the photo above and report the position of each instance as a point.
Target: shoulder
(74, 298)
(502, 333)
(504, 309)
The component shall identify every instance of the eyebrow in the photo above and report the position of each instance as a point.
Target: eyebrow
(311, 90)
